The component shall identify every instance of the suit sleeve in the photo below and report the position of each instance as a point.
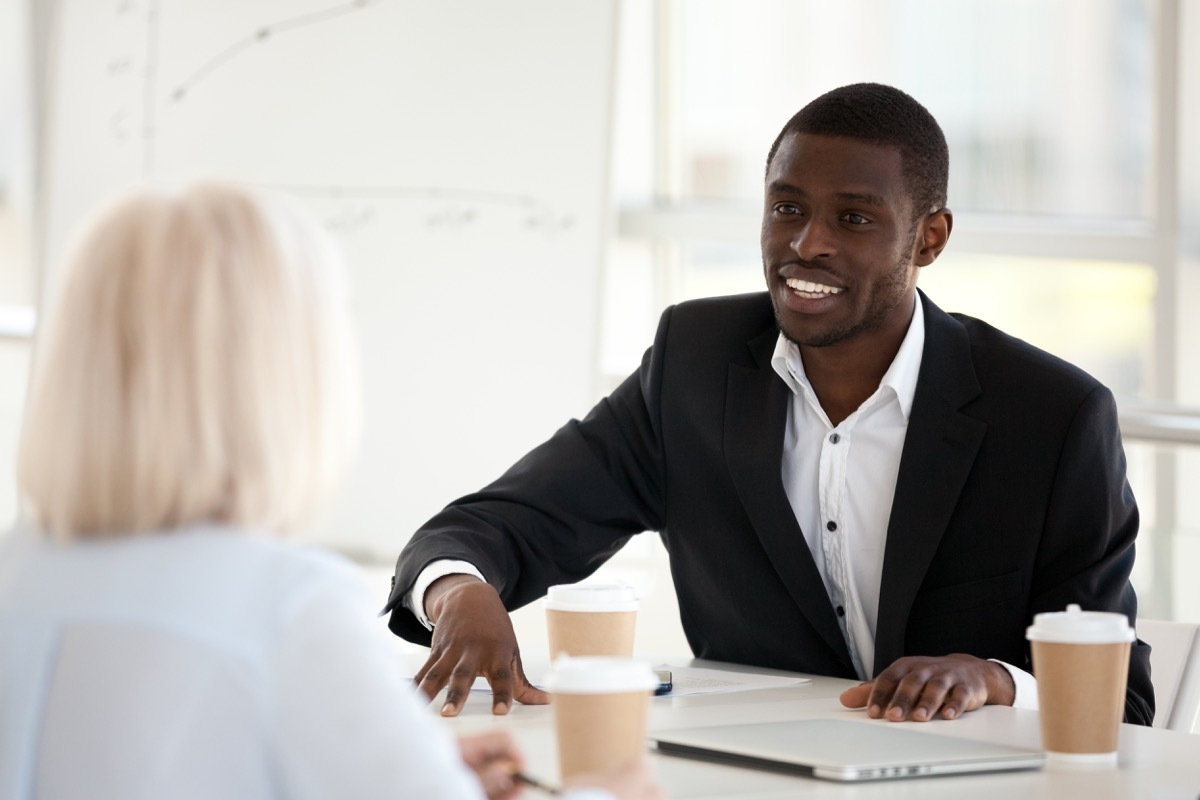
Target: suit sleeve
(561, 511)
(1087, 552)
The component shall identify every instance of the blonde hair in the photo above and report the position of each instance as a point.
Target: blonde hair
(199, 366)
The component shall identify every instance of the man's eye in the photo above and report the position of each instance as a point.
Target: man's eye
(786, 208)
(855, 219)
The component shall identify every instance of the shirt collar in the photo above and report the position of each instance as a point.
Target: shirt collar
(901, 376)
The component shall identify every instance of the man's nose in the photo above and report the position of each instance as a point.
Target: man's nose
(814, 241)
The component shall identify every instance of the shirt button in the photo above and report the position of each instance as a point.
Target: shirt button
(831, 525)
(835, 438)
(841, 612)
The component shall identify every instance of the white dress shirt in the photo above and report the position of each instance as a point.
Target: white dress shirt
(850, 470)
(205, 663)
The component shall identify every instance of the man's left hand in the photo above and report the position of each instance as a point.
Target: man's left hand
(918, 688)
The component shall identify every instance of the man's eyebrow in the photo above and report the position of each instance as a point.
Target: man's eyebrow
(861, 197)
(780, 187)
(865, 198)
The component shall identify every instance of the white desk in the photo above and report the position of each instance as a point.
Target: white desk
(1153, 763)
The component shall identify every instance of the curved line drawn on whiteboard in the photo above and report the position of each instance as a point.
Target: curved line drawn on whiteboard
(262, 34)
(452, 209)
(456, 209)
(119, 65)
(350, 219)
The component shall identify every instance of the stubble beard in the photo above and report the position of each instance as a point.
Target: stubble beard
(885, 296)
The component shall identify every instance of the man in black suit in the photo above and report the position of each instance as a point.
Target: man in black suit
(848, 480)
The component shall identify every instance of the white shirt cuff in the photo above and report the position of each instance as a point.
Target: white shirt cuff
(1025, 684)
(414, 601)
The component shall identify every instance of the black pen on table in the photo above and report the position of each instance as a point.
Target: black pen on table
(521, 777)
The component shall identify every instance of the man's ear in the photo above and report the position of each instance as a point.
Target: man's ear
(933, 233)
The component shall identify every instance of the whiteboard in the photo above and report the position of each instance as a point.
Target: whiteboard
(458, 151)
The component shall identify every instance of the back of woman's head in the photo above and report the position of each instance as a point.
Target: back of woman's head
(198, 366)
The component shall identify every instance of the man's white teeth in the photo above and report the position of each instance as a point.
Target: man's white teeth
(811, 290)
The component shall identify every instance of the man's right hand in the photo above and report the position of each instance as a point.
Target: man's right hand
(473, 636)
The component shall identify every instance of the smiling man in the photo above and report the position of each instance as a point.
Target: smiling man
(848, 480)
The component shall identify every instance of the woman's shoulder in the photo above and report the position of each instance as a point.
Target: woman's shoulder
(269, 569)
(211, 582)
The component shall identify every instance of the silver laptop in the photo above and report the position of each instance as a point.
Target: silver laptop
(841, 750)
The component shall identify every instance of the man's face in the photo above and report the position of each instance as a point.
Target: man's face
(838, 240)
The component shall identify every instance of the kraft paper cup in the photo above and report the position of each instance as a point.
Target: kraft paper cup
(1081, 662)
(600, 706)
(591, 620)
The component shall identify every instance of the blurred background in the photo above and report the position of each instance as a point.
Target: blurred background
(1077, 203)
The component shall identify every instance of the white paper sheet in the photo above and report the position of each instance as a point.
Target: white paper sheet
(697, 680)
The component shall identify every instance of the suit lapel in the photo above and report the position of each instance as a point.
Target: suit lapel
(939, 450)
(755, 417)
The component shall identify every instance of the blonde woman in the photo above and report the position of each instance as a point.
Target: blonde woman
(195, 397)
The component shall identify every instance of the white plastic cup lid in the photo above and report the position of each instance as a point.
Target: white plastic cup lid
(1076, 626)
(591, 597)
(599, 675)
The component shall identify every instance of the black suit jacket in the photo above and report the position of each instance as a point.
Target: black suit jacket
(1011, 500)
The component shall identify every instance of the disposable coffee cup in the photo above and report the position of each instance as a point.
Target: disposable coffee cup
(600, 707)
(591, 619)
(1081, 662)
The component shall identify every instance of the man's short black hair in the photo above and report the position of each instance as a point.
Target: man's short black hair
(882, 115)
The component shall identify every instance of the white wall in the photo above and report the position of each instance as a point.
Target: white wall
(458, 152)
(16, 271)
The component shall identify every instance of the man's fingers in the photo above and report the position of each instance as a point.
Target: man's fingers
(431, 678)
(501, 679)
(920, 688)
(507, 682)
(932, 698)
(453, 705)
(883, 692)
(857, 696)
(957, 702)
(524, 691)
(461, 681)
(530, 695)
(903, 697)
(506, 685)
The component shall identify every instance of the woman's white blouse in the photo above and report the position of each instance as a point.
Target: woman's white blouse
(204, 663)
